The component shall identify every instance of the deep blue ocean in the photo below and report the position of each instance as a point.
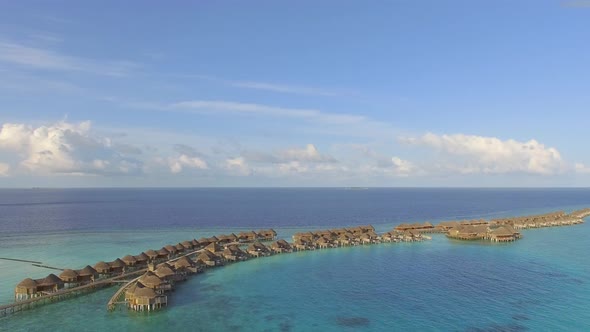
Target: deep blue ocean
(540, 283)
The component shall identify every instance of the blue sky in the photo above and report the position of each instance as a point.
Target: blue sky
(305, 93)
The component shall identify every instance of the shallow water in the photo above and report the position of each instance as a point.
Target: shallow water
(538, 283)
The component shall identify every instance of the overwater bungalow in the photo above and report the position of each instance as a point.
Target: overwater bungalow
(171, 250)
(179, 248)
(196, 244)
(165, 272)
(163, 255)
(323, 242)
(257, 249)
(247, 236)
(281, 246)
(141, 298)
(152, 255)
(102, 268)
(185, 266)
(213, 239)
(129, 261)
(204, 242)
(469, 232)
(25, 290)
(210, 259)
(69, 277)
(504, 234)
(49, 284)
(117, 266)
(87, 275)
(266, 234)
(141, 260)
(234, 253)
(188, 245)
(150, 280)
(214, 248)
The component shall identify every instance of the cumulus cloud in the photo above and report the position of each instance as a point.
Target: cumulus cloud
(237, 166)
(308, 154)
(64, 148)
(491, 155)
(177, 164)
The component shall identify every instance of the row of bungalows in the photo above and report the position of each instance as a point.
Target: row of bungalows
(411, 235)
(553, 219)
(68, 278)
(149, 292)
(261, 235)
(494, 233)
(333, 238)
(580, 214)
(425, 227)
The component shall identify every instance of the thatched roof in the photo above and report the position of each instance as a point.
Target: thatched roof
(151, 280)
(141, 257)
(187, 244)
(129, 259)
(151, 253)
(171, 249)
(144, 292)
(68, 274)
(502, 231)
(117, 263)
(87, 271)
(214, 247)
(50, 280)
(179, 247)
(28, 283)
(183, 263)
(164, 271)
(101, 266)
(164, 251)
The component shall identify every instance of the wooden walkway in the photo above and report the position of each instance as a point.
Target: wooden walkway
(63, 294)
(111, 305)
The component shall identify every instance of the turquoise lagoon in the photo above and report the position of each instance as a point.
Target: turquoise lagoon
(541, 282)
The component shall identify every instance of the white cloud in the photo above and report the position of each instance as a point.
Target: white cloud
(478, 154)
(38, 58)
(63, 148)
(213, 106)
(4, 169)
(237, 166)
(308, 154)
(183, 161)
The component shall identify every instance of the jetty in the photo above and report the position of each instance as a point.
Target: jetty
(149, 277)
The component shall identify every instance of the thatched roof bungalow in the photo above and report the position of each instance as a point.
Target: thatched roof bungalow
(210, 259)
(281, 246)
(49, 284)
(145, 299)
(25, 289)
(214, 248)
(117, 266)
(234, 253)
(69, 276)
(87, 274)
(141, 259)
(102, 268)
(258, 249)
(129, 260)
(247, 236)
(152, 254)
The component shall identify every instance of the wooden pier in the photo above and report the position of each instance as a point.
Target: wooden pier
(63, 294)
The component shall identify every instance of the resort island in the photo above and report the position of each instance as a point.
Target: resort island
(148, 278)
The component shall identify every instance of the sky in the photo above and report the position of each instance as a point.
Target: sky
(294, 93)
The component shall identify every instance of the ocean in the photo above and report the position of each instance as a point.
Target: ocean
(539, 283)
